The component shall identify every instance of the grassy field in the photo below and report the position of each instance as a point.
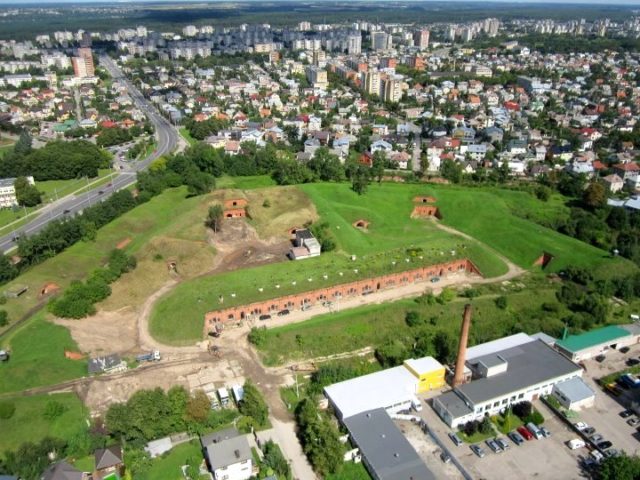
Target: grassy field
(489, 215)
(184, 133)
(169, 211)
(351, 471)
(177, 317)
(257, 181)
(28, 424)
(4, 149)
(168, 466)
(37, 356)
(373, 325)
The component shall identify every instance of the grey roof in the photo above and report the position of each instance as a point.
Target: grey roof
(574, 389)
(304, 233)
(454, 404)
(548, 339)
(100, 364)
(385, 448)
(7, 182)
(108, 457)
(228, 452)
(530, 364)
(219, 436)
(62, 471)
(8, 477)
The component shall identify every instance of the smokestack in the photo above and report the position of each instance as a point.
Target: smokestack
(458, 377)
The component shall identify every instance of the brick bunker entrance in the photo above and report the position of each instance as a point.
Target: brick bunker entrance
(352, 289)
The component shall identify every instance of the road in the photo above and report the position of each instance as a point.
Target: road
(166, 139)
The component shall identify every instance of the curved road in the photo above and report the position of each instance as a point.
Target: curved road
(166, 138)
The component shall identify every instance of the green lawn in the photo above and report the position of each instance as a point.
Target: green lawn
(476, 437)
(37, 356)
(351, 471)
(373, 325)
(168, 466)
(245, 183)
(488, 215)
(506, 424)
(28, 423)
(187, 136)
(85, 464)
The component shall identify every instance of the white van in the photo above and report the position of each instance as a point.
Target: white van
(535, 431)
(417, 406)
(576, 443)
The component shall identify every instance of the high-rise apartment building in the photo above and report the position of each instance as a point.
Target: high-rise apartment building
(421, 39)
(83, 64)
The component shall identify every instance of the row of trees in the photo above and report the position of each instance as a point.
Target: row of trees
(79, 299)
(319, 437)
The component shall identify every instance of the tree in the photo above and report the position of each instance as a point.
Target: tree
(377, 167)
(594, 196)
(4, 318)
(27, 195)
(24, 144)
(7, 409)
(198, 406)
(619, 467)
(290, 172)
(451, 170)
(486, 426)
(443, 344)
(8, 270)
(501, 302)
(360, 179)
(522, 409)
(214, 217)
(53, 409)
(253, 405)
(412, 318)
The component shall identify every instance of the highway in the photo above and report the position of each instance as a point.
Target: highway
(166, 139)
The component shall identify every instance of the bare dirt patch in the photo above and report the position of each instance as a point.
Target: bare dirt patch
(105, 332)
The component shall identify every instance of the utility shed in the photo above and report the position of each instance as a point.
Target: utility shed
(574, 394)
(386, 453)
(596, 342)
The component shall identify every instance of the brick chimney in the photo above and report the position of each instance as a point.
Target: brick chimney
(458, 378)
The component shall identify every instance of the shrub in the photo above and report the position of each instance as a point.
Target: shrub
(4, 318)
(266, 203)
(412, 318)
(522, 409)
(534, 417)
(501, 302)
(258, 336)
(53, 409)
(7, 409)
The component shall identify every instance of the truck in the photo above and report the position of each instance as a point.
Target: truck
(152, 356)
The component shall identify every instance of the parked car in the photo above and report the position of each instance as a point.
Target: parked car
(612, 452)
(601, 358)
(588, 463)
(596, 438)
(597, 456)
(493, 445)
(631, 362)
(281, 313)
(625, 413)
(604, 445)
(535, 431)
(504, 445)
(576, 443)
(624, 350)
(613, 389)
(477, 449)
(265, 317)
(545, 433)
(589, 431)
(581, 426)
(516, 437)
(526, 434)
(455, 439)
(445, 457)
(633, 422)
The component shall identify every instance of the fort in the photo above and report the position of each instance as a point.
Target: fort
(310, 298)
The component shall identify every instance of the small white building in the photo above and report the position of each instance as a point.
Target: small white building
(574, 394)
(230, 459)
(305, 245)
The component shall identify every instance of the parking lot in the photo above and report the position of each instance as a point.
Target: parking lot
(604, 415)
(545, 458)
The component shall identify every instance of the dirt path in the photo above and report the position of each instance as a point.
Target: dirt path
(512, 269)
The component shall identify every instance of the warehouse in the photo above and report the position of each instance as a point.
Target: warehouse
(393, 389)
(386, 453)
(504, 372)
(597, 342)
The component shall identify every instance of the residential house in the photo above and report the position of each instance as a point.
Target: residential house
(108, 461)
(63, 471)
(229, 458)
(311, 145)
(626, 170)
(381, 146)
(613, 183)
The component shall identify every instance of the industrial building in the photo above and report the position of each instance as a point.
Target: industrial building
(386, 453)
(393, 389)
(574, 394)
(503, 372)
(597, 342)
